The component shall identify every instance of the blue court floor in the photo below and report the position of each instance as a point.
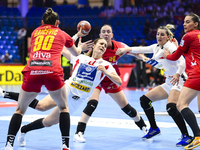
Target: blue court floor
(108, 129)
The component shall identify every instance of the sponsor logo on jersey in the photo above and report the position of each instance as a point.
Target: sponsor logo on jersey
(80, 87)
(40, 55)
(37, 72)
(182, 42)
(41, 63)
(86, 72)
(82, 81)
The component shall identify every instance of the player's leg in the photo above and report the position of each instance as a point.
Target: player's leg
(42, 105)
(48, 121)
(157, 93)
(60, 97)
(186, 96)
(177, 117)
(121, 100)
(87, 113)
(25, 99)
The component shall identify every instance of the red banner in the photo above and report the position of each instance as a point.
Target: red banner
(125, 75)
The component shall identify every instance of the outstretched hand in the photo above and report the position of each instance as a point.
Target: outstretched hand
(85, 45)
(121, 51)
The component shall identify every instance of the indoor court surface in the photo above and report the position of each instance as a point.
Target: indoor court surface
(108, 129)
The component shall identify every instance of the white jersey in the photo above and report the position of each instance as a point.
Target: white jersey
(85, 76)
(170, 67)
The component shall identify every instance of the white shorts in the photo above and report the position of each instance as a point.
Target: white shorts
(168, 87)
(73, 100)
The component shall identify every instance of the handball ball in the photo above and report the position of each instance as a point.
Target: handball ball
(86, 27)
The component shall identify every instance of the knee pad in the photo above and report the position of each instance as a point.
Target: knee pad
(129, 110)
(172, 110)
(91, 106)
(145, 102)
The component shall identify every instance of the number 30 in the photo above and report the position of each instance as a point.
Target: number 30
(46, 44)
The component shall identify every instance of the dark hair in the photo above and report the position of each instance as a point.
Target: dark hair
(195, 18)
(89, 53)
(168, 28)
(106, 25)
(50, 17)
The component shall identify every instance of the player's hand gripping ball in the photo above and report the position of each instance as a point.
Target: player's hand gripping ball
(86, 27)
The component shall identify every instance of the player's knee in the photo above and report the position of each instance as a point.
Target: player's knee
(172, 109)
(129, 110)
(145, 102)
(91, 106)
(40, 107)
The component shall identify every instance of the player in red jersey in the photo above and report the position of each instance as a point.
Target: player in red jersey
(189, 47)
(112, 89)
(44, 68)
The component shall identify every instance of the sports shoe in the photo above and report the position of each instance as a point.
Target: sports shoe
(193, 144)
(8, 146)
(151, 133)
(21, 138)
(64, 147)
(145, 130)
(185, 140)
(79, 138)
(1, 93)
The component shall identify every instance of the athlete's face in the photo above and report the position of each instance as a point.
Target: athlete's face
(106, 33)
(100, 47)
(189, 24)
(162, 37)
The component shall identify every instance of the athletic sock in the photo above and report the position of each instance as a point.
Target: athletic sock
(151, 117)
(14, 96)
(191, 120)
(37, 124)
(14, 126)
(178, 119)
(140, 123)
(81, 127)
(65, 127)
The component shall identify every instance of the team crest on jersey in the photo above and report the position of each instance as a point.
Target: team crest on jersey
(86, 72)
(182, 42)
(80, 87)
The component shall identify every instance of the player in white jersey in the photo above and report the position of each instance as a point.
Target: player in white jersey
(86, 77)
(174, 72)
(88, 72)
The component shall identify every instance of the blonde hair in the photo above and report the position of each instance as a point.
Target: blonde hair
(168, 28)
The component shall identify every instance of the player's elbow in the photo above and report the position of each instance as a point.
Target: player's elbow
(119, 82)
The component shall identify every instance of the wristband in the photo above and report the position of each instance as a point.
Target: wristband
(75, 37)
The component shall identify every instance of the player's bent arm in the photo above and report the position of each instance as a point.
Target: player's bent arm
(182, 65)
(75, 50)
(111, 75)
(66, 53)
(114, 77)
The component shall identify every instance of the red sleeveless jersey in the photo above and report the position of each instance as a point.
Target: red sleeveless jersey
(47, 42)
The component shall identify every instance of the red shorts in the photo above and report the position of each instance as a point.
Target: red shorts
(109, 87)
(193, 83)
(33, 83)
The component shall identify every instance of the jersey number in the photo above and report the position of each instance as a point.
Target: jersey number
(112, 59)
(46, 43)
(199, 38)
